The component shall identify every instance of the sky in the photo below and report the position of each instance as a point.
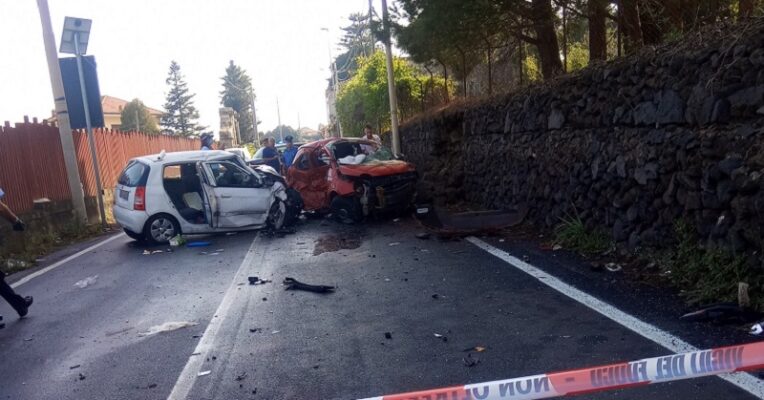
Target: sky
(278, 42)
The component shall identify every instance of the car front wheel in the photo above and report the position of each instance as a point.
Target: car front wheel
(161, 228)
(276, 215)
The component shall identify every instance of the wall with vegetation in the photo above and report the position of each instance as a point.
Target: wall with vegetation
(634, 148)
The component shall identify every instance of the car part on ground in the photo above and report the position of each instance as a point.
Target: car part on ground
(447, 224)
(294, 284)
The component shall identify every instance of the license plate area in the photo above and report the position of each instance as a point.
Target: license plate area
(124, 194)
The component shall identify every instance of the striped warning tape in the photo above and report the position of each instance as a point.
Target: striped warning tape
(608, 377)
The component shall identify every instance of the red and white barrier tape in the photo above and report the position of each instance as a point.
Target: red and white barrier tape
(608, 377)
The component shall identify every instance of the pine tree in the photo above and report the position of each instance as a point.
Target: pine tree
(238, 94)
(181, 115)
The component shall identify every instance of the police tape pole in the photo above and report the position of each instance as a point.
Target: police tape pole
(608, 377)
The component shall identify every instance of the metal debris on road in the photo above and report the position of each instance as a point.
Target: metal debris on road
(294, 284)
(477, 349)
(241, 376)
(613, 267)
(81, 377)
(167, 327)
(29, 339)
(423, 235)
(91, 280)
(756, 329)
(253, 280)
(203, 373)
(441, 337)
(393, 243)
(388, 335)
(274, 332)
(74, 366)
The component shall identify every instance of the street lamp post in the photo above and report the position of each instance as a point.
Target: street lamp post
(333, 64)
(75, 41)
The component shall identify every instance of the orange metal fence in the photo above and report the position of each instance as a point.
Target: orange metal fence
(32, 163)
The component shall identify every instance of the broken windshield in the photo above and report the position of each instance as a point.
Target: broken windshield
(354, 153)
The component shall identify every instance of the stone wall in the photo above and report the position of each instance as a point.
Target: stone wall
(632, 145)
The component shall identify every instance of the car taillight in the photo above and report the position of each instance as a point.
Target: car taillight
(140, 199)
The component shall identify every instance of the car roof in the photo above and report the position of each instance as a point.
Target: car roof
(181, 156)
(330, 141)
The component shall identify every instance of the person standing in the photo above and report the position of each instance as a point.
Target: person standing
(207, 140)
(20, 304)
(368, 134)
(263, 145)
(289, 152)
(271, 155)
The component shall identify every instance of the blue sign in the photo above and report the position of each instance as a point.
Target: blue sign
(71, 79)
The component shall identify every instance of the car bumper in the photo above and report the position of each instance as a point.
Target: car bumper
(131, 220)
(399, 197)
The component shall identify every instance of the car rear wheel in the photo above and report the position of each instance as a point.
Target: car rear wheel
(135, 236)
(161, 228)
(346, 210)
(294, 207)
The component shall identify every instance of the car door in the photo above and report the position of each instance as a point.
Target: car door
(307, 175)
(235, 195)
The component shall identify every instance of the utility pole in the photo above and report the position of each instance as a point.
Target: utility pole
(137, 121)
(335, 80)
(391, 81)
(62, 115)
(371, 34)
(278, 114)
(254, 119)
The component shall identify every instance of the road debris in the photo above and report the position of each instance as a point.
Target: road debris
(74, 366)
(454, 225)
(177, 240)
(435, 296)
(441, 337)
(167, 327)
(241, 377)
(198, 244)
(29, 339)
(757, 329)
(613, 267)
(423, 235)
(477, 349)
(396, 219)
(721, 313)
(470, 361)
(393, 244)
(255, 330)
(294, 284)
(81, 377)
(274, 332)
(253, 280)
(388, 335)
(203, 373)
(557, 247)
(91, 280)
(333, 242)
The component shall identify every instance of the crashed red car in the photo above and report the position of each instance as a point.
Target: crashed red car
(351, 178)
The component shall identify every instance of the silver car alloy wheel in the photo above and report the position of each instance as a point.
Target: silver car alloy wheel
(162, 229)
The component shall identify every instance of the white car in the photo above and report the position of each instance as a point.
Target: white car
(160, 196)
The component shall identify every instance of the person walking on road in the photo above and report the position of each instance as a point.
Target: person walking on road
(289, 152)
(20, 304)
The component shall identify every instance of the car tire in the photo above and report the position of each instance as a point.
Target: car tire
(294, 207)
(135, 236)
(276, 215)
(161, 228)
(346, 210)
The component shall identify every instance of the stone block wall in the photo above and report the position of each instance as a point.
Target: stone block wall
(632, 145)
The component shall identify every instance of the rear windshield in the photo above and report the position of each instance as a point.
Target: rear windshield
(135, 174)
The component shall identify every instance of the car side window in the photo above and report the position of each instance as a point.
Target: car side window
(227, 174)
(302, 162)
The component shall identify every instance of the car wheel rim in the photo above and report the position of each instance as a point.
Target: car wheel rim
(162, 230)
(276, 214)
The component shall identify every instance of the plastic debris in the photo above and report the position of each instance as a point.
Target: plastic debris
(74, 366)
(198, 244)
(203, 373)
(274, 332)
(393, 244)
(477, 349)
(469, 361)
(81, 377)
(756, 329)
(167, 327)
(294, 284)
(86, 282)
(241, 377)
(177, 240)
(423, 235)
(557, 247)
(441, 337)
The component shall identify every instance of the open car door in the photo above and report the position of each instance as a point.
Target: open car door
(308, 175)
(236, 197)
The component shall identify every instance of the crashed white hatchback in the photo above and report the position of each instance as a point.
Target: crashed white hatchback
(160, 196)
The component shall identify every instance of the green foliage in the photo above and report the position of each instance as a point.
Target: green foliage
(573, 234)
(364, 98)
(531, 70)
(238, 94)
(708, 275)
(136, 117)
(181, 115)
(578, 56)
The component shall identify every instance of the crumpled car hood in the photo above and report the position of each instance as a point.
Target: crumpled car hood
(377, 168)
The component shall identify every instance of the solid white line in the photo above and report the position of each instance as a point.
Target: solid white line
(190, 372)
(62, 262)
(744, 381)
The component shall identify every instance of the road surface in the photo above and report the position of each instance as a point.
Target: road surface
(96, 340)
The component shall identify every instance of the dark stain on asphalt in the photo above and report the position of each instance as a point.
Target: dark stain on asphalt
(346, 240)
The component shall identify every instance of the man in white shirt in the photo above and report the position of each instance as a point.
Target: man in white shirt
(368, 134)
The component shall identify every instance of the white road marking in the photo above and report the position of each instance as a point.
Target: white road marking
(193, 366)
(64, 261)
(744, 381)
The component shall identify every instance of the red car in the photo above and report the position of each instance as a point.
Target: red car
(351, 178)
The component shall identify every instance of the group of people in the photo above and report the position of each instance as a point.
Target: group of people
(19, 303)
(270, 155)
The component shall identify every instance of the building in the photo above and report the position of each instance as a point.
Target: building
(112, 112)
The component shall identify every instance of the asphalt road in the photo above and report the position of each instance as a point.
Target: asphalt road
(262, 342)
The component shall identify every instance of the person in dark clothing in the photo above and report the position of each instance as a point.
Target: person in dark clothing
(207, 140)
(271, 155)
(20, 304)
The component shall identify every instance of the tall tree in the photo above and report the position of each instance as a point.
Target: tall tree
(239, 94)
(180, 116)
(597, 29)
(136, 117)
